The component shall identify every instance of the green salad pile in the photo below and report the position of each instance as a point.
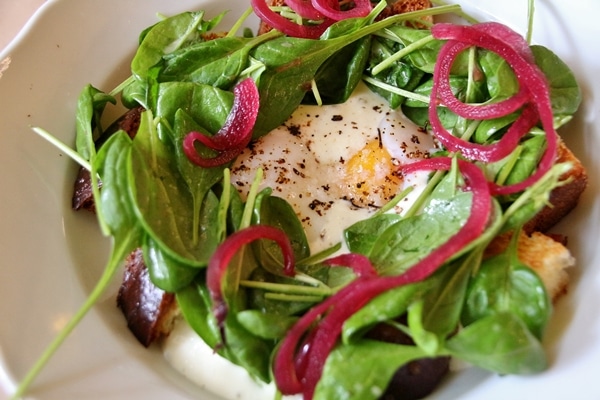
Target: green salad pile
(489, 312)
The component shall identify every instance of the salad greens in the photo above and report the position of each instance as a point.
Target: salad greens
(153, 198)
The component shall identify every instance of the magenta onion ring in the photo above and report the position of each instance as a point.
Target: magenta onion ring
(330, 8)
(530, 79)
(235, 134)
(282, 24)
(305, 9)
(220, 259)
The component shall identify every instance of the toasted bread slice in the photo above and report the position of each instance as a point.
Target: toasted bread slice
(150, 312)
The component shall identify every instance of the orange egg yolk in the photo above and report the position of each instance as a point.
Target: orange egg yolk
(370, 176)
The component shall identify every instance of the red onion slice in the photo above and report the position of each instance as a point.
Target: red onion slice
(235, 134)
(504, 42)
(282, 24)
(218, 263)
(305, 9)
(331, 9)
(357, 262)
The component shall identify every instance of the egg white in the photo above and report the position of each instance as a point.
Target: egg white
(305, 161)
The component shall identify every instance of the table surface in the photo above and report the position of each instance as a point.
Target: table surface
(13, 16)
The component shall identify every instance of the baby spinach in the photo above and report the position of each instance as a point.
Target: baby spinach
(565, 93)
(362, 236)
(162, 201)
(265, 325)
(153, 197)
(363, 370)
(500, 342)
(166, 272)
(90, 106)
(387, 306)
(168, 36)
(503, 284)
(409, 240)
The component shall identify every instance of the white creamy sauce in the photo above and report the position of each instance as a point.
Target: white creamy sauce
(313, 161)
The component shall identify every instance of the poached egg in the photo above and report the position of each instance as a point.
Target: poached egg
(335, 165)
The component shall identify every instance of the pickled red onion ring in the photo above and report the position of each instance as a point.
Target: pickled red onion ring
(504, 42)
(220, 259)
(282, 24)
(357, 262)
(330, 8)
(305, 9)
(235, 134)
(443, 90)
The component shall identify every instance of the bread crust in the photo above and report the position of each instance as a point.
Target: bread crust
(564, 198)
(150, 312)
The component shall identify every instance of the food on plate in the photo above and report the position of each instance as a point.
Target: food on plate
(350, 185)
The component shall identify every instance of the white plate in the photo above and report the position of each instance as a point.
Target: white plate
(50, 257)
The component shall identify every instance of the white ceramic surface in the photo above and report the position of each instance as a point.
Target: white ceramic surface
(50, 257)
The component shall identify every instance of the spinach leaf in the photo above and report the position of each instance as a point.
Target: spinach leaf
(219, 62)
(443, 301)
(504, 284)
(194, 302)
(406, 242)
(216, 62)
(400, 74)
(114, 204)
(500, 342)
(90, 106)
(565, 93)
(275, 211)
(362, 370)
(206, 105)
(168, 36)
(500, 79)
(166, 272)
(489, 129)
(264, 325)
(338, 75)
(387, 306)
(425, 56)
(198, 180)
(362, 236)
(162, 202)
